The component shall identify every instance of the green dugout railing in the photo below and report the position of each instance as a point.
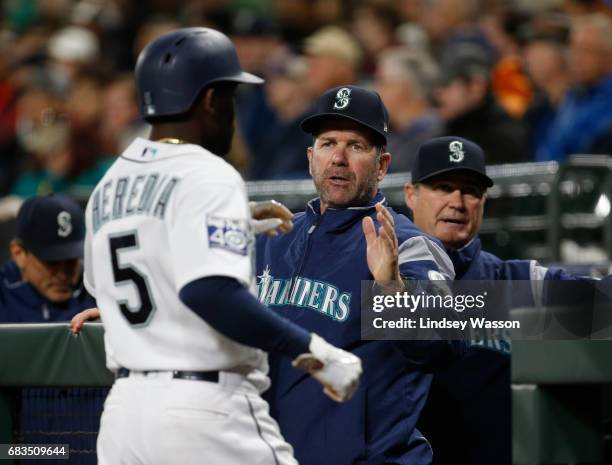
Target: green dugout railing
(50, 355)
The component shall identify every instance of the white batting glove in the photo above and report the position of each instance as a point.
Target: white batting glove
(337, 370)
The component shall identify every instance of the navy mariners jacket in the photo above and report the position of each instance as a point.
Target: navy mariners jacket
(325, 256)
(21, 303)
(473, 394)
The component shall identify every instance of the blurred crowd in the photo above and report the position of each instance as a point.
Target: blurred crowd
(528, 81)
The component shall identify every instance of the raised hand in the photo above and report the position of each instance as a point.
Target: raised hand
(382, 247)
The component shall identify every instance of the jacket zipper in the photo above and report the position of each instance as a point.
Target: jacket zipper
(294, 278)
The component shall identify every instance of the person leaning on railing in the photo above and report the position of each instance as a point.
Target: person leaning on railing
(42, 282)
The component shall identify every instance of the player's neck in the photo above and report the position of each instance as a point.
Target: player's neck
(174, 132)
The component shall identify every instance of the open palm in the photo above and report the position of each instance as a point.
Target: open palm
(382, 248)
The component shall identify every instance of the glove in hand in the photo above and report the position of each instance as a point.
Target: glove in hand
(337, 370)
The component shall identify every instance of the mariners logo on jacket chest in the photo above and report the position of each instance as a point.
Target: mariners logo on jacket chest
(319, 296)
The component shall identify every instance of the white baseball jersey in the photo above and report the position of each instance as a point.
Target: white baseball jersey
(165, 215)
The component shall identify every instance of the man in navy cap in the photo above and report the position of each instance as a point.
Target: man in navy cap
(447, 197)
(443, 166)
(313, 277)
(42, 282)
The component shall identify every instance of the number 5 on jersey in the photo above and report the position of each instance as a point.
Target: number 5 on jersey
(125, 274)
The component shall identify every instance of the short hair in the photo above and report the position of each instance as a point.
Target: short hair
(415, 66)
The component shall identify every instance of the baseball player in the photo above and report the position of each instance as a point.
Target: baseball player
(168, 257)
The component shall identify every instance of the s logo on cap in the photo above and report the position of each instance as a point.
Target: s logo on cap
(64, 221)
(343, 98)
(456, 151)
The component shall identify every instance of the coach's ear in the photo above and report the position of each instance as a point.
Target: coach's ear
(383, 166)
(409, 194)
(19, 253)
(309, 153)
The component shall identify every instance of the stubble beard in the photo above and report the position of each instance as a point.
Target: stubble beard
(363, 192)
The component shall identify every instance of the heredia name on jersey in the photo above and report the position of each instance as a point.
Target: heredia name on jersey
(132, 195)
(320, 296)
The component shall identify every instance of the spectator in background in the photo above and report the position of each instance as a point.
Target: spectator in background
(295, 18)
(22, 62)
(404, 80)
(546, 64)
(334, 58)
(453, 22)
(330, 11)
(412, 11)
(468, 107)
(62, 157)
(120, 120)
(8, 117)
(39, 127)
(280, 155)
(84, 100)
(257, 41)
(42, 282)
(511, 87)
(72, 50)
(374, 25)
(583, 123)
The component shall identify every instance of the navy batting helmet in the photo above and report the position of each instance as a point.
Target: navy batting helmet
(173, 69)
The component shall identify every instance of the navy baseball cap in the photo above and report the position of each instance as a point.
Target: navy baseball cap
(447, 154)
(52, 227)
(354, 103)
